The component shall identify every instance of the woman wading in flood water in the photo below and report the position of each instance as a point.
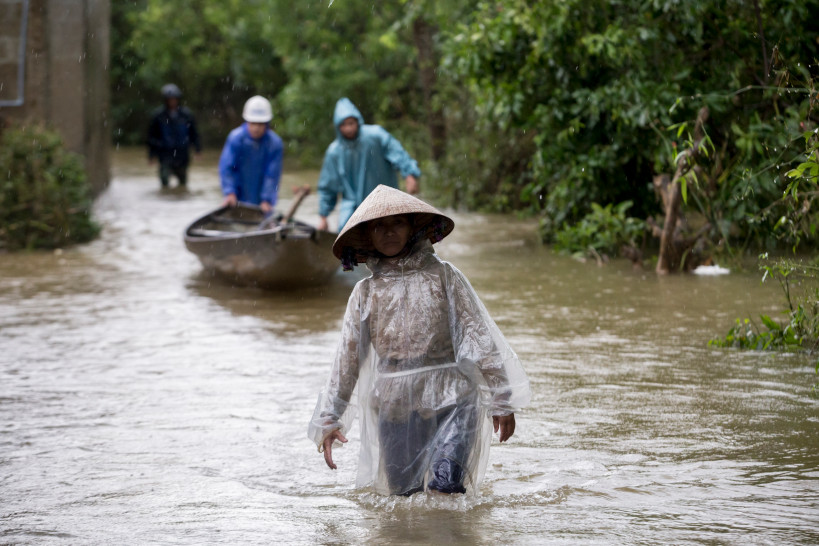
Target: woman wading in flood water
(434, 373)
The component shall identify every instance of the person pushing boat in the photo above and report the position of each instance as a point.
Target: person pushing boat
(251, 162)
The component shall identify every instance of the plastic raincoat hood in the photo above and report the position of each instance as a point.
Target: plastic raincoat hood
(353, 168)
(429, 366)
(346, 109)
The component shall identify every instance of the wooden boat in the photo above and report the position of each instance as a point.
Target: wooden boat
(240, 246)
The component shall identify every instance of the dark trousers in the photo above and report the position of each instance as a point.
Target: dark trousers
(438, 446)
(168, 168)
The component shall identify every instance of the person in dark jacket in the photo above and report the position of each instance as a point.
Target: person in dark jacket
(171, 134)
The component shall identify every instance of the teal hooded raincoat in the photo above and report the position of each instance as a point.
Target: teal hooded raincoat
(353, 168)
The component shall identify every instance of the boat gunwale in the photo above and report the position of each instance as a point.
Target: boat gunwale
(280, 233)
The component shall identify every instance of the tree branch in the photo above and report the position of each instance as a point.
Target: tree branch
(761, 33)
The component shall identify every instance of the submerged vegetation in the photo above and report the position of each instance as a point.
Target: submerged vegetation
(45, 199)
(602, 233)
(801, 329)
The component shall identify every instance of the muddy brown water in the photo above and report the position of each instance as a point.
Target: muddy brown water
(143, 402)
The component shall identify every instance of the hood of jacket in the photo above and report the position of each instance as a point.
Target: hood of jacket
(346, 109)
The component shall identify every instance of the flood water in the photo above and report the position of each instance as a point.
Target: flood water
(142, 402)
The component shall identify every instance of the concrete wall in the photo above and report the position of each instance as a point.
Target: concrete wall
(66, 74)
(11, 41)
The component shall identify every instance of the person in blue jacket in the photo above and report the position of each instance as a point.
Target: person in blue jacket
(171, 134)
(251, 161)
(357, 161)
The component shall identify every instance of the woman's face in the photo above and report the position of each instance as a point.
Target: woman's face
(390, 234)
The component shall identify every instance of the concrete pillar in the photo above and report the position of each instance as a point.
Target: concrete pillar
(13, 16)
(97, 92)
(66, 74)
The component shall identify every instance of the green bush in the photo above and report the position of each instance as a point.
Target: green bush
(45, 200)
(602, 232)
(798, 280)
(599, 83)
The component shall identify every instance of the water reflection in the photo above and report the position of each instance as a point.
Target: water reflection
(294, 312)
(428, 520)
(143, 402)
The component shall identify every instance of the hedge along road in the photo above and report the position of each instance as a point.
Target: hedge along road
(143, 402)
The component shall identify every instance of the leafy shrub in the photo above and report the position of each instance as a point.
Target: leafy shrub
(602, 232)
(801, 331)
(748, 335)
(45, 200)
(599, 82)
(799, 221)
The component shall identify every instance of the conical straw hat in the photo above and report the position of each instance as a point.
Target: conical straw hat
(387, 201)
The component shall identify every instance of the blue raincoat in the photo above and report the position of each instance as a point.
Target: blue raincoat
(353, 168)
(251, 168)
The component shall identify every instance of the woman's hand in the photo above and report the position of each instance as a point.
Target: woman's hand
(327, 444)
(506, 424)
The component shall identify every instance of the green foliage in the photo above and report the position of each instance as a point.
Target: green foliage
(746, 195)
(800, 284)
(798, 280)
(304, 56)
(482, 170)
(219, 53)
(802, 328)
(798, 220)
(548, 106)
(351, 48)
(45, 200)
(808, 169)
(600, 82)
(603, 231)
(748, 335)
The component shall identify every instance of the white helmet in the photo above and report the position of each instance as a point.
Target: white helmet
(257, 110)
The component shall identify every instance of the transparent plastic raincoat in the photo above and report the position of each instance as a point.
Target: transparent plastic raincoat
(430, 367)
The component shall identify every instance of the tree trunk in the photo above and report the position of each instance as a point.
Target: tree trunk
(668, 259)
(423, 35)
